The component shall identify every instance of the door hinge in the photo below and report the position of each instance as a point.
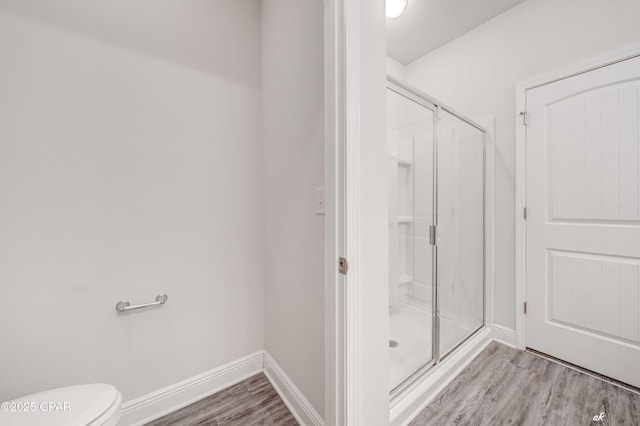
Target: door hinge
(343, 266)
(432, 235)
(525, 213)
(524, 117)
(525, 308)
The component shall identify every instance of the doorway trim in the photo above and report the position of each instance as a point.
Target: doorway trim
(342, 111)
(521, 161)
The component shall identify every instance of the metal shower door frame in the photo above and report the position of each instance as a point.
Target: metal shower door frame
(437, 107)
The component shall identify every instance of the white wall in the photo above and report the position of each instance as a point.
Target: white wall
(293, 133)
(476, 75)
(395, 69)
(123, 174)
(207, 35)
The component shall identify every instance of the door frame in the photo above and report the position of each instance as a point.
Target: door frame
(348, 398)
(347, 76)
(521, 162)
(340, 384)
(334, 243)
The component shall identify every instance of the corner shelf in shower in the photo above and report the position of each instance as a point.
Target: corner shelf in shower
(403, 279)
(403, 162)
(405, 219)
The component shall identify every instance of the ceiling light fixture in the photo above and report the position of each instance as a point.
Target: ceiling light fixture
(395, 8)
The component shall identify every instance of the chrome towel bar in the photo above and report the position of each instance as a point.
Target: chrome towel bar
(124, 305)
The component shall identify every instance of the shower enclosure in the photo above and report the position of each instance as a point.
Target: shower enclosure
(436, 235)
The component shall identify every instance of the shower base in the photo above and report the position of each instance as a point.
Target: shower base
(411, 327)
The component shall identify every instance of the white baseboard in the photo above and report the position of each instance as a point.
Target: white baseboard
(403, 408)
(163, 401)
(413, 400)
(299, 406)
(504, 335)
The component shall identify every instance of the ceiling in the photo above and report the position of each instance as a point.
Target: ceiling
(429, 24)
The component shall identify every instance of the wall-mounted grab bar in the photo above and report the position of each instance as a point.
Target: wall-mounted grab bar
(124, 305)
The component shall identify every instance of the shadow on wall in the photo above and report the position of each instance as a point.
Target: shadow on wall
(199, 34)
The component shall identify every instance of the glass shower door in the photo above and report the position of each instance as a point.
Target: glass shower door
(460, 231)
(411, 193)
(436, 232)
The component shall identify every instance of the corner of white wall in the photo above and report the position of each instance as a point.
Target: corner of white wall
(293, 398)
(396, 70)
(293, 145)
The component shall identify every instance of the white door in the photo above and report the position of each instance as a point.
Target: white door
(583, 220)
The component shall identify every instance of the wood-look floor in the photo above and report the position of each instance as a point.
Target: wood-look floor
(502, 386)
(251, 402)
(505, 386)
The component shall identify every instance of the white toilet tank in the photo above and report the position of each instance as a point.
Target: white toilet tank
(95, 405)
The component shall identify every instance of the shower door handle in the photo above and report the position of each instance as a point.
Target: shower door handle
(432, 235)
